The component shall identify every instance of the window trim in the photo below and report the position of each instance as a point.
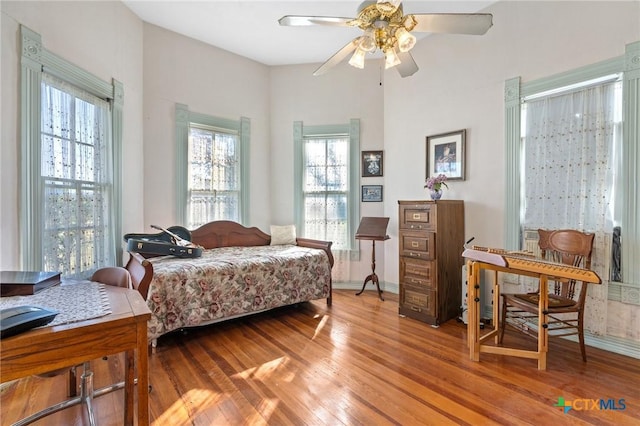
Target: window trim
(629, 65)
(34, 61)
(242, 127)
(352, 129)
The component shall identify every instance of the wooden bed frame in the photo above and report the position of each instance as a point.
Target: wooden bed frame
(221, 233)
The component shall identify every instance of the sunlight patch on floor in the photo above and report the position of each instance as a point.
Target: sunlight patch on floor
(320, 326)
(183, 410)
(264, 371)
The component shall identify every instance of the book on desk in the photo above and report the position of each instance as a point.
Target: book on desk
(25, 283)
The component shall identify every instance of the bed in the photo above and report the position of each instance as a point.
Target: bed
(239, 273)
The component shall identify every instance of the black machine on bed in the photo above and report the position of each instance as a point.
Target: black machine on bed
(174, 241)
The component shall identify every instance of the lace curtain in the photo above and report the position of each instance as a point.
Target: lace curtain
(570, 166)
(213, 176)
(325, 188)
(76, 168)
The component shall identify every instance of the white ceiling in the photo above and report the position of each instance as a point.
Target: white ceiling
(251, 29)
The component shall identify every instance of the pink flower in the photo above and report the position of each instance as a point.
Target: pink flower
(435, 183)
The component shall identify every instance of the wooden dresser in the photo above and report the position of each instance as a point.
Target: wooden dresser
(431, 236)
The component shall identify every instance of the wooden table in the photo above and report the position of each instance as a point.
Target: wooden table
(520, 265)
(124, 330)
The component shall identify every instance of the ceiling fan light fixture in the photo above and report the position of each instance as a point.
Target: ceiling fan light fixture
(357, 60)
(368, 41)
(388, 7)
(409, 22)
(390, 58)
(406, 40)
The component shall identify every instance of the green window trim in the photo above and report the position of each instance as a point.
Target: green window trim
(34, 61)
(242, 127)
(627, 291)
(352, 129)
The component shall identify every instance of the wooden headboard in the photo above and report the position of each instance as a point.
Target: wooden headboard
(225, 233)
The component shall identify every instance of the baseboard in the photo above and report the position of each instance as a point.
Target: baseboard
(353, 285)
(618, 345)
(613, 344)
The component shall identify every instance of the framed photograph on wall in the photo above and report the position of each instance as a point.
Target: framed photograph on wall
(371, 163)
(445, 155)
(371, 193)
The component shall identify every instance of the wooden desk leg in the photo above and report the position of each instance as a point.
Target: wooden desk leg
(373, 277)
(543, 331)
(473, 320)
(129, 386)
(143, 374)
(496, 307)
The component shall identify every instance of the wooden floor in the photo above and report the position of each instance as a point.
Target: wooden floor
(356, 362)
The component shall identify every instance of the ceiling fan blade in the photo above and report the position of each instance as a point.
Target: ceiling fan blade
(407, 66)
(302, 21)
(453, 23)
(338, 57)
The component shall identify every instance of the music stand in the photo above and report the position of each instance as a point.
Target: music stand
(374, 229)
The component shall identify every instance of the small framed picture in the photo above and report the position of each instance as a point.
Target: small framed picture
(371, 193)
(445, 155)
(371, 163)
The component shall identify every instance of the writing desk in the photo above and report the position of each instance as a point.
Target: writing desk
(46, 349)
(477, 260)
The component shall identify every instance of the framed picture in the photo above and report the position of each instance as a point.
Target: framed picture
(371, 163)
(445, 154)
(371, 193)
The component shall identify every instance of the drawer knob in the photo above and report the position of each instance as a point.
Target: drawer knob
(416, 309)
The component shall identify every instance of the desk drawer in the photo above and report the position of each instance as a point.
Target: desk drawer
(418, 273)
(418, 245)
(418, 216)
(419, 302)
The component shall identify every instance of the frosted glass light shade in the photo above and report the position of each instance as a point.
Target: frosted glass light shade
(390, 58)
(406, 40)
(357, 60)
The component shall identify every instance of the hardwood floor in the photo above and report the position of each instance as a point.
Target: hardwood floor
(356, 362)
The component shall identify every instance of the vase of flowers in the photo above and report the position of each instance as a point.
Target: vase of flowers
(435, 184)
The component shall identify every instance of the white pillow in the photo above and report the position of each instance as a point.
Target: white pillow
(283, 234)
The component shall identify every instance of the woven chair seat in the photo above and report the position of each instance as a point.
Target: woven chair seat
(554, 301)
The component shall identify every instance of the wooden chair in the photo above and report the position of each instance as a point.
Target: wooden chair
(114, 276)
(566, 303)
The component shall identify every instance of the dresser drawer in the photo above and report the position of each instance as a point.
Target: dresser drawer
(419, 302)
(418, 273)
(418, 245)
(418, 216)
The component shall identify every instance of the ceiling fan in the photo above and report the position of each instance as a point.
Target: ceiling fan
(388, 29)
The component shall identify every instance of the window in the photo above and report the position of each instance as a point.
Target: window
(326, 186)
(70, 206)
(571, 152)
(212, 165)
(76, 186)
(214, 176)
(622, 208)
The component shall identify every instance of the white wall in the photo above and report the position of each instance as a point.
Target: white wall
(107, 42)
(210, 81)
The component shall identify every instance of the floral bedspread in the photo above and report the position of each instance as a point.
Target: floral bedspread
(229, 281)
